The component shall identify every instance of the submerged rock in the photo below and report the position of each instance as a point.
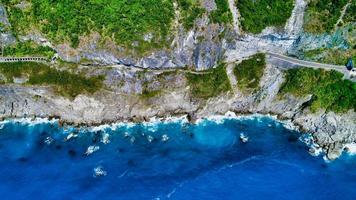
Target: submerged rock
(243, 138)
(99, 171)
(48, 140)
(92, 149)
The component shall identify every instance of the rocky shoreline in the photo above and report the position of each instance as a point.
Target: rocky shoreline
(201, 48)
(331, 131)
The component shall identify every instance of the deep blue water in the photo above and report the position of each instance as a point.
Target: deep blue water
(204, 161)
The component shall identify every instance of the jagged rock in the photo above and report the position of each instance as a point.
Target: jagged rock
(209, 5)
(206, 55)
(202, 48)
(3, 17)
(330, 130)
(159, 60)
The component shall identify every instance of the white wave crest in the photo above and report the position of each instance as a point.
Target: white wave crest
(30, 121)
(351, 148)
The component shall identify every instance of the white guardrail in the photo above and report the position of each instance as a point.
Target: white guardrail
(22, 59)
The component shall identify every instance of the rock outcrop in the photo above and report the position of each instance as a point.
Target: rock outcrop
(202, 48)
(121, 101)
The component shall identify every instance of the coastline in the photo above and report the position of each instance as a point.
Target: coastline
(330, 130)
(307, 138)
(219, 119)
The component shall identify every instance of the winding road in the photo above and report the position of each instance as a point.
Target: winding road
(306, 63)
(302, 63)
(290, 60)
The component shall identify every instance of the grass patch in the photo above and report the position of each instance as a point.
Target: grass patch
(64, 82)
(28, 49)
(322, 15)
(123, 21)
(249, 72)
(329, 90)
(259, 14)
(147, 94)
(190, 10)
(222, 14)
(211, 84)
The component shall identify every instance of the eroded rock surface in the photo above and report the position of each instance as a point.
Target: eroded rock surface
(122, 101)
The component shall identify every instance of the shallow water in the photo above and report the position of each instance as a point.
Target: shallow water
(172, 160)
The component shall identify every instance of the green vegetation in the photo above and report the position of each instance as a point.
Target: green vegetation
(2, 27)
(350, 16)
(64, 82)
(190, 11)
(329, 90)
(19, 19)
(331, 56)
(222, 14)
(123, 21)
(147, 94)
(322, 15)
(259, 14)
(156, 86)
(28, 49)
(210, 84)
(249, 72)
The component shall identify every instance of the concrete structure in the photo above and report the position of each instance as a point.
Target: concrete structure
(22, 59)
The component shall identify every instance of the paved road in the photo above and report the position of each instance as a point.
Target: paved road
(301, 63)
(315, 65)
(306, 63)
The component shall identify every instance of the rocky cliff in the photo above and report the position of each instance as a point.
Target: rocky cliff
(121, 101)
(202, 47)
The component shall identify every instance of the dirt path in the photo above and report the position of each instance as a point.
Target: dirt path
(235, 16)
(342, 14)
(230, 74)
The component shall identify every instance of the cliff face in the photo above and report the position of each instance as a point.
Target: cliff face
(121, 101)
(201, 47)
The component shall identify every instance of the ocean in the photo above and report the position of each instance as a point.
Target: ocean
(168, 160)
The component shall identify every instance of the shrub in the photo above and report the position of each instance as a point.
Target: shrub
(210, 84)
(330, 91)
(249, 72)
(259, 14)
(29, 49)
(124, 21)
(322, 15)
(64, 82)
(222, 14)
(190, 11)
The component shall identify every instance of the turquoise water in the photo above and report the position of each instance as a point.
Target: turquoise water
(172, 160)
